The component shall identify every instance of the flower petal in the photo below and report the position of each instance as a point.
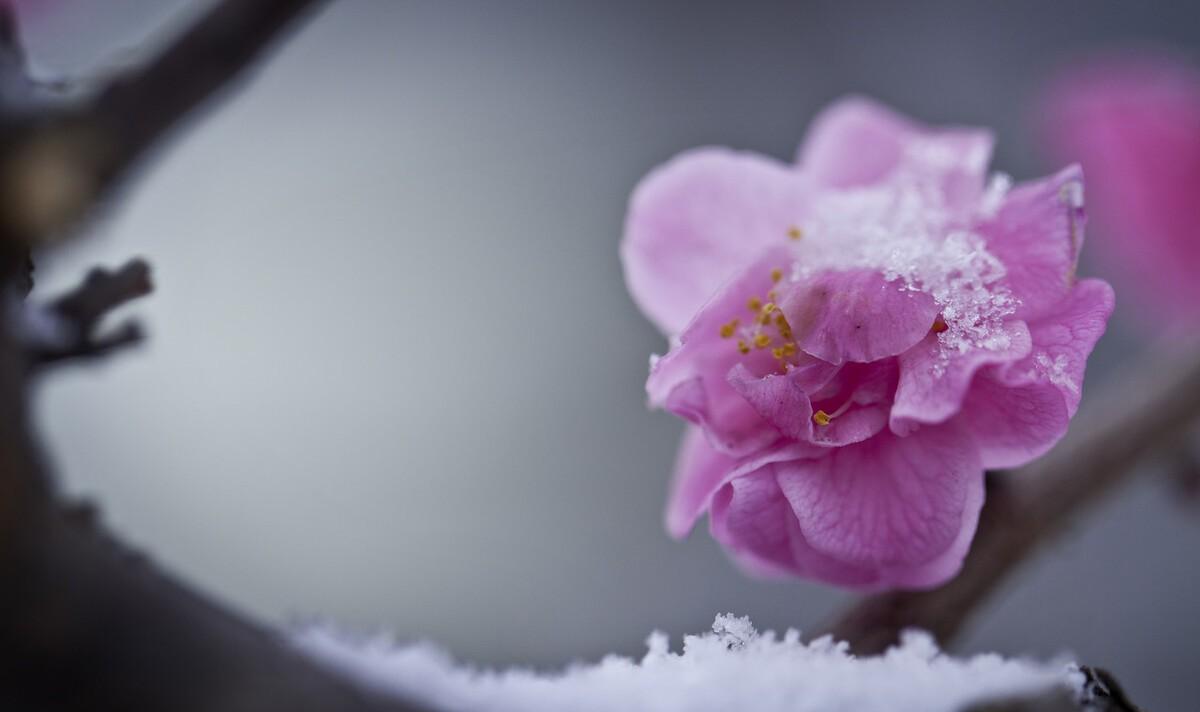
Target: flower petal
(691, 380)
(934, 380)
(1037, 233)
(697, 220)
(1019, 411)
(857, 142)
(700, 471)
(902, 507)
(783, 399)
(856, 315)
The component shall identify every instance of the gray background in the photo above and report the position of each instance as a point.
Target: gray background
(394, 376)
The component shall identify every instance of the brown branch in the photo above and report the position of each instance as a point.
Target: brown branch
(138, 109)
(1027, 508)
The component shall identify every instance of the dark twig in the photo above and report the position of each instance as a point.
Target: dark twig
(1027, 508)
(72, 320)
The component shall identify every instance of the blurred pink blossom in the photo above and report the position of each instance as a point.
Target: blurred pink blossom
(856, 337)
(1133, 121)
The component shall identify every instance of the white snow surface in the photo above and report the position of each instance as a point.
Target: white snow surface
(731, 668)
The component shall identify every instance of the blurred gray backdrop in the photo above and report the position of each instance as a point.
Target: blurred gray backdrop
(394, 376)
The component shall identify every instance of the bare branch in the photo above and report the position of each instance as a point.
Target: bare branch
(1028, 507)
(58, 165)
(136, 110)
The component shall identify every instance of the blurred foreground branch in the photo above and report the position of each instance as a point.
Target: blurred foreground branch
(1027, 508)
(86, 623)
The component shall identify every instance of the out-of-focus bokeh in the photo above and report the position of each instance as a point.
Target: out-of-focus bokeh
(394, 377)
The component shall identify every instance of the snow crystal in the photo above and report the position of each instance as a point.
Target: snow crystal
(1055, 370)
(906, 229)
(993, 197)
(733, 667)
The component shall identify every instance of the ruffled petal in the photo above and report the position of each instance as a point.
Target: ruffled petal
(1019, 411)
(783, 399)
(857, 142)
(895, 506)
(856, 315)
(700, 471)
(1037, 233)
(934, 380)
(697, 221)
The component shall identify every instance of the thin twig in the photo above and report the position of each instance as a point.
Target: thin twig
(1027, 508)
(67, 328)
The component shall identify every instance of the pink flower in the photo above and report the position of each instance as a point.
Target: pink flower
(1134, 124)
(859, 336)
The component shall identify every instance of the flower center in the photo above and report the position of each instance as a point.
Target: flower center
(766, 328)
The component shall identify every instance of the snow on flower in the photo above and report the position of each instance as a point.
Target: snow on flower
(733, 667)
(856, 337)
(1133, 121)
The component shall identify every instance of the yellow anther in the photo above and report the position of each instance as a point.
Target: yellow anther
(762, 341)
(789, 349)
(768, 308)
(743, 347)
(754, 304)
(778, 352)
(821, 418)
(776, 274)
(763, 319)
(727, 330)
(795, 233)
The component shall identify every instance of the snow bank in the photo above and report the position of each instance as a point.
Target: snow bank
(732, 668)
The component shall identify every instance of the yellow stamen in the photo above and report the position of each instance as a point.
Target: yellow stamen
(743, 347)
(777, 352)
(776, 274)
(762, 341)
(789, 349)
(727, 330)
(821, 418)
(795, 233)
(754, 304)
(768, 308)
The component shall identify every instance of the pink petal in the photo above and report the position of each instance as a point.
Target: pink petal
(934, 380)
(902, 507)
(1013, 423)
(700, 471)
(856, 315)
(857, 142)
(691, 380)
(782, 399)
(697, 221)
(1037, 234)
(1019, 411)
